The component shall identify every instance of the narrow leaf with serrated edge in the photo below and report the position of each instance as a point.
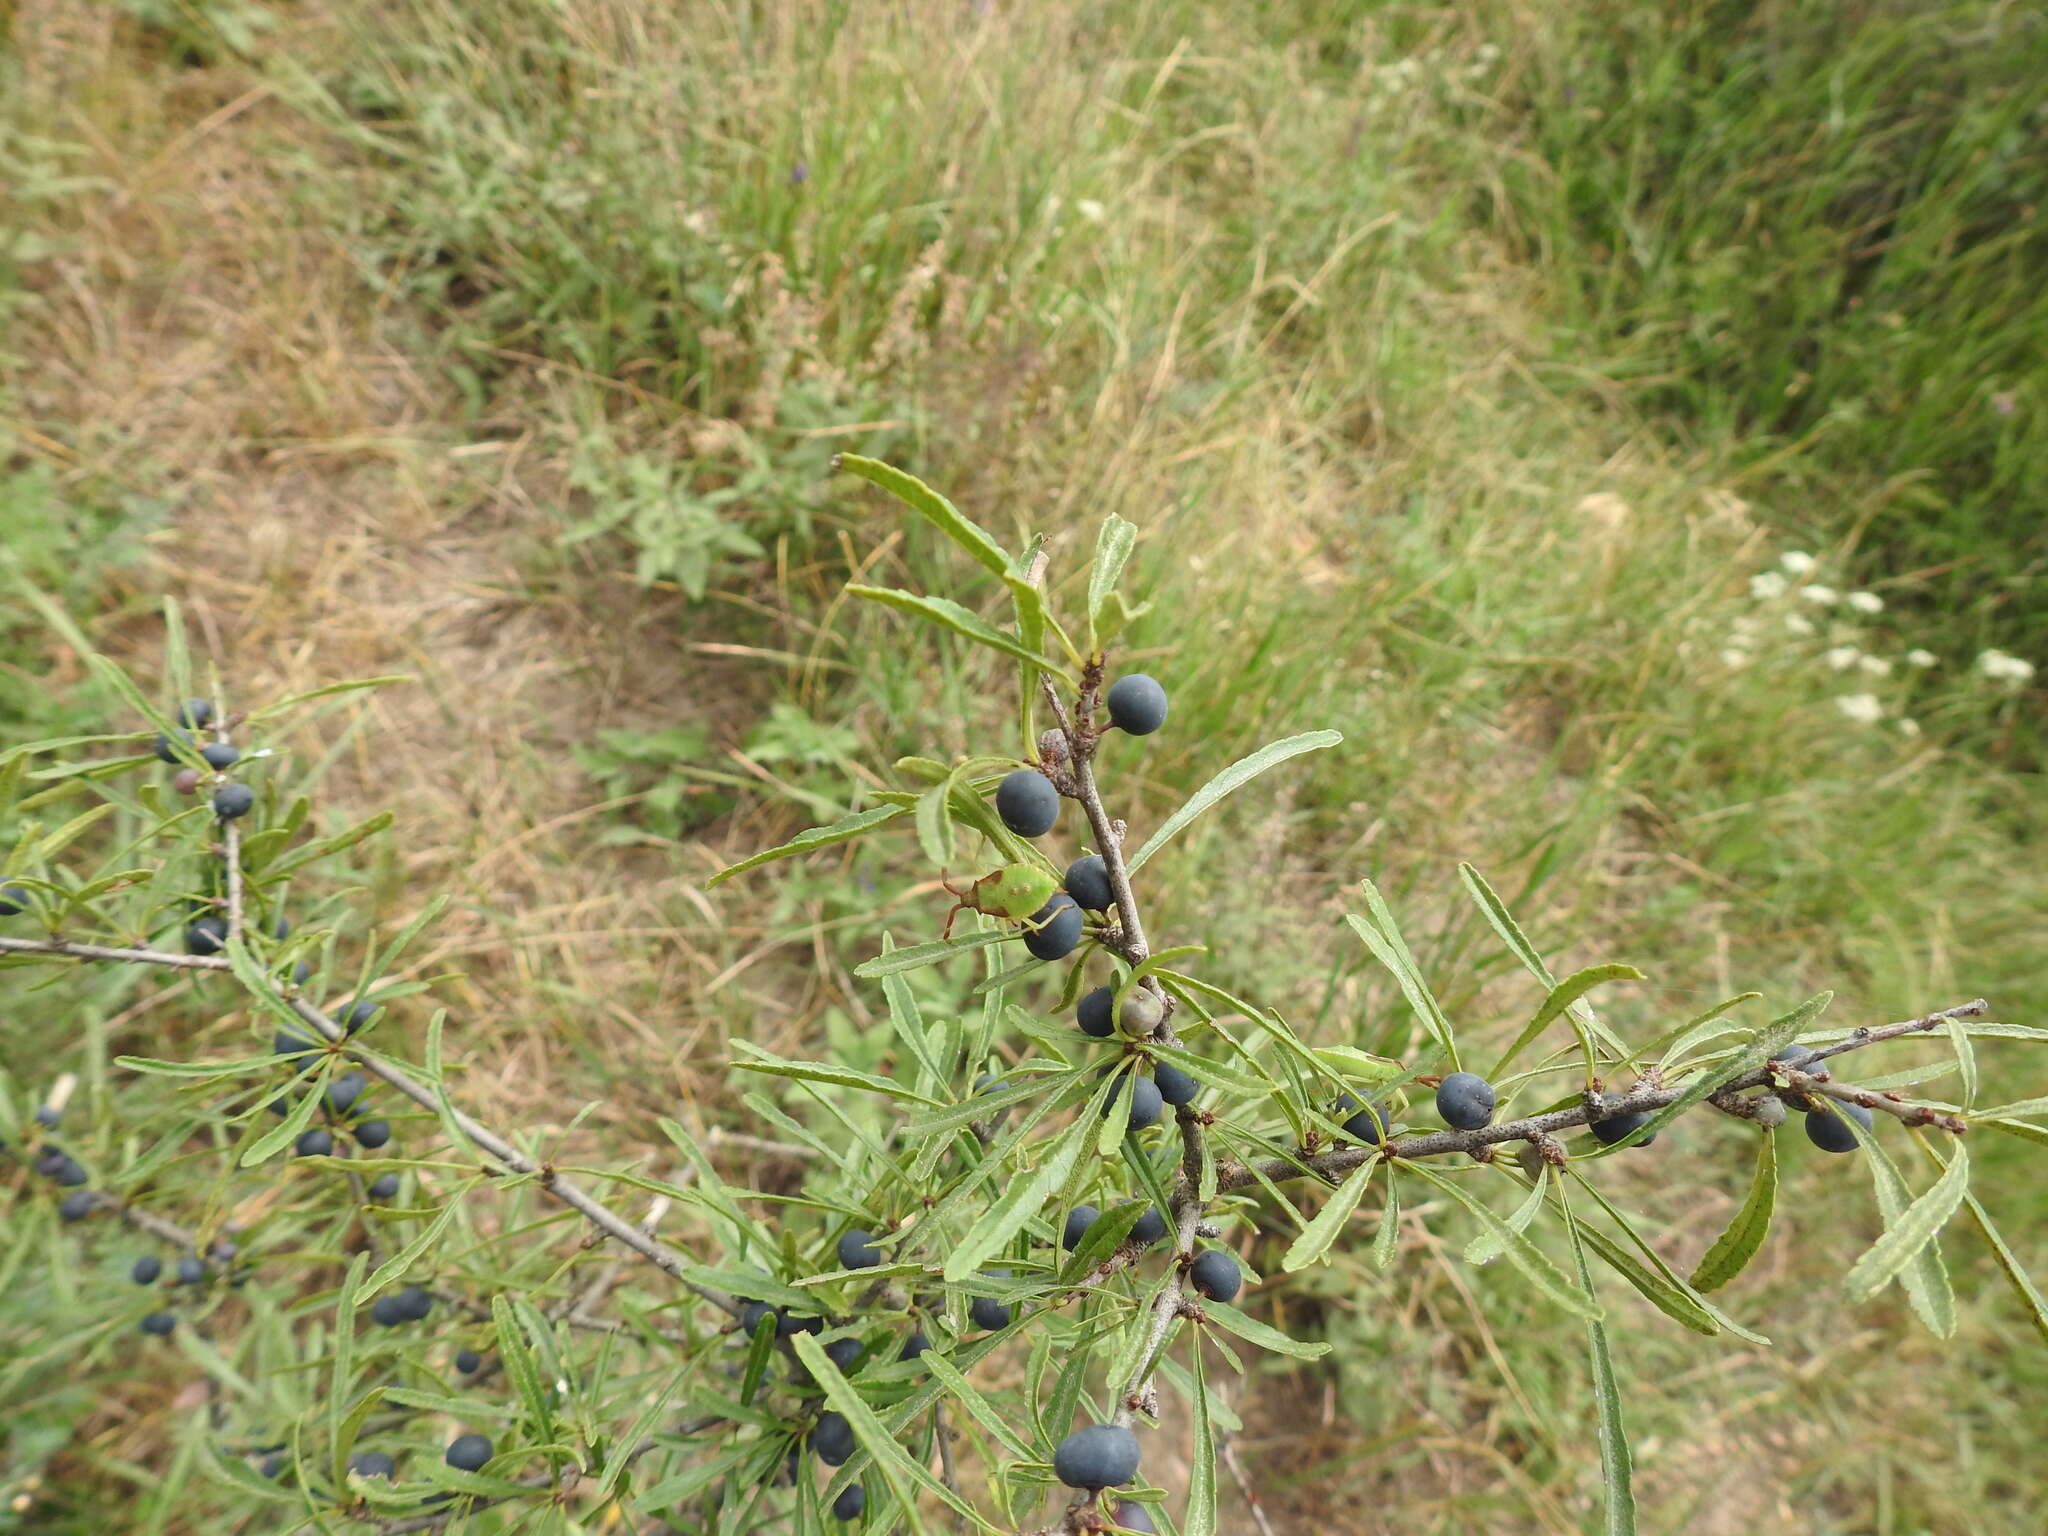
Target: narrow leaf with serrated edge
(1915, 1228)
(1735, 1247)
(1388, 1238)
(1318, 1235)
(1019, 1203)
(1925, 1278)
(1112, 548)
(1488, 1245)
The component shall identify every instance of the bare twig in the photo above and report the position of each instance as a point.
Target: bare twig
(1228, 1451)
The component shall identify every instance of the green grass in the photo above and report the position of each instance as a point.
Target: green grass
(1352, 310)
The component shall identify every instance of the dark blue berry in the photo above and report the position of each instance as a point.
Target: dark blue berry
(293, 1047)
(387, 1312)
(1054, 929)
(1367, 1122)
(167, 743)
(1215, 1274)
(845, 1353)
(316, 1141)
(1148, 1228)
(343, 1092)
(159, 1323)
(373, 1133)
(986, 1311)
(857, 1249)
(914, 1346)
(468, 1361)
(1465, 1100)
(373, 1464)
(1146, 1103)
(71, 1175)
(385, 1188)
(788, 1324)
(1028, 803)
(191, 1270)
(146, 1269)
(1079, 1220)
(1615, 1127)
(47, 1116)
(851, 1501)
(832, 1439)
(13, 899)
(1174, 1085)
(232, 800)
(1796, 1057)
(1096, 1012)
(273, 1465)
(753, 1314)
(196, 714)
(356, 1015)
(77, 1205)
(415, 1302)
(1100, 1456)
(1088, 883)
(219, 755)
(468, 1453)
(1137, 704)
(1827, 1129)
(206, 935)
(1132, 1517)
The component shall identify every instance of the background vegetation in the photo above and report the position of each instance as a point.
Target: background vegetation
(1468, 370)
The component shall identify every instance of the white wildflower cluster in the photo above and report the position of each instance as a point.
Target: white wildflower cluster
(1793, 600)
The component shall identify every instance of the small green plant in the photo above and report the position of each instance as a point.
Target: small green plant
(974, 1264)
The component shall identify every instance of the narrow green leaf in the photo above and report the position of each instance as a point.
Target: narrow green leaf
(1773, 1037)
(1925, 1277)
(1388, 1238)
(1393, 958)
(935, 823)
(947, 614)
(985, 1413)
(817, 837)
(293, 700)
(1019, 1203)
(1236, 775)
(1735, 1247)
(1523, 1253)
(903, 1474)
(1113, 547)
(1252, 1331)
(2015, 1272)
(1916, 1227)
(931, 506)
(1561, 998)
(1318, 1235)
(918, 956)
(1617, 1466)
(1199, 1518)
(287, 1130)
(396, 1266)
(1488, 1246)
(766, 1061)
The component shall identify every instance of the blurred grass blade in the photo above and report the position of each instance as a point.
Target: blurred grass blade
(1526, 1256)
(2022, 1283)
